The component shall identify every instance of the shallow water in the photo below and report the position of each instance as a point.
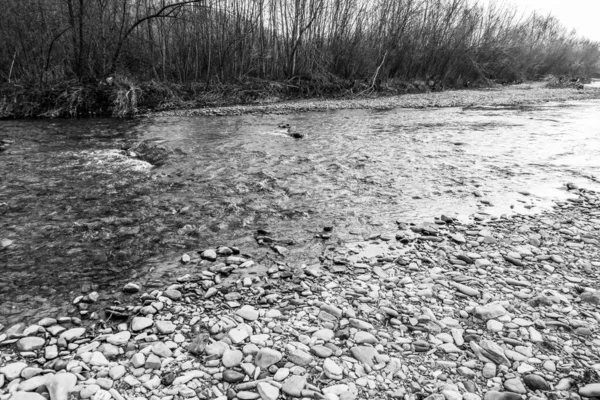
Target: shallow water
(83, 216)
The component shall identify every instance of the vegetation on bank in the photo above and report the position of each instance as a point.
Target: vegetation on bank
(115, 57)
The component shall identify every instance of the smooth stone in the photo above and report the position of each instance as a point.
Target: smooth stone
(232, 376)
(362, 337)
(30, 343)
(267, 391)
(490, 311)
(161, 350)
(294, 385)
(232, 358)
(61, 385)
(515, 385)
(332, 369)
(98, 359)
(590, 390)
(72, 334)
(536, 382)
(364, 354)
(119, 339)
(321, 351)
(141, 323)
(248, 313)
(267, 357)
(494, 395)
(13, 371)
(165, 327)
(299, 357)
(27, 396)
(281, 374)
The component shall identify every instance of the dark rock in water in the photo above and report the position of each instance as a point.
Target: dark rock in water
(296, 135)
(150, 152)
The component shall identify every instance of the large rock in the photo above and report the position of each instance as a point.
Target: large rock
(590, 390)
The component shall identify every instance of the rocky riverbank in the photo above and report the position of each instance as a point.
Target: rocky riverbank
(499, 309)
(501, 96)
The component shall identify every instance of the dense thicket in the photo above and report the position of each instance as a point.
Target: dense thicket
(219, 41)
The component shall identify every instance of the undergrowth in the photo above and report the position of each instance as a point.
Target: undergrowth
(121, 97)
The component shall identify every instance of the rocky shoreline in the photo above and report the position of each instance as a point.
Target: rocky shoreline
(502, 96)
(494, 309)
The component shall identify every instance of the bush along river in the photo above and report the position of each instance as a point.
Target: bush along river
(446, 254)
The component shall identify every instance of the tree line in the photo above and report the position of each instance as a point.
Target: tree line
(453, 42)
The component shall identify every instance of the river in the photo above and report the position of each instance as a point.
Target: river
(81, 216)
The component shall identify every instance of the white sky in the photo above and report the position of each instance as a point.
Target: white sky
(583, 15)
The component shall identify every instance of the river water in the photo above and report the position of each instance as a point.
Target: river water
(83, 216)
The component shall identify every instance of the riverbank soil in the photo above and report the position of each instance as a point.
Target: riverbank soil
(486, 308)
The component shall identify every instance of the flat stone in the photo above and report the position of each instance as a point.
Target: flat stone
(249, 313)
(98, 359)
(232, 376)
(464, 289)
(173, 294)
(515, 385)
(489, 311)
(119, 339)
(60, 385)
(324, 334)
(294, 385)
(141, 323)
(27, 396)
(362, 337)
(13, 371)
(238, 335)
(332, 370)
(494, 395)
(232, 358)
(536, 382)
(364, 354)
(299, 357)
(72, 334)
(590, 390)
(165, 327)
(161, 350)
(267, 391)
(30, 343)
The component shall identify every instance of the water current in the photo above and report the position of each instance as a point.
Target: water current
(77, 214)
